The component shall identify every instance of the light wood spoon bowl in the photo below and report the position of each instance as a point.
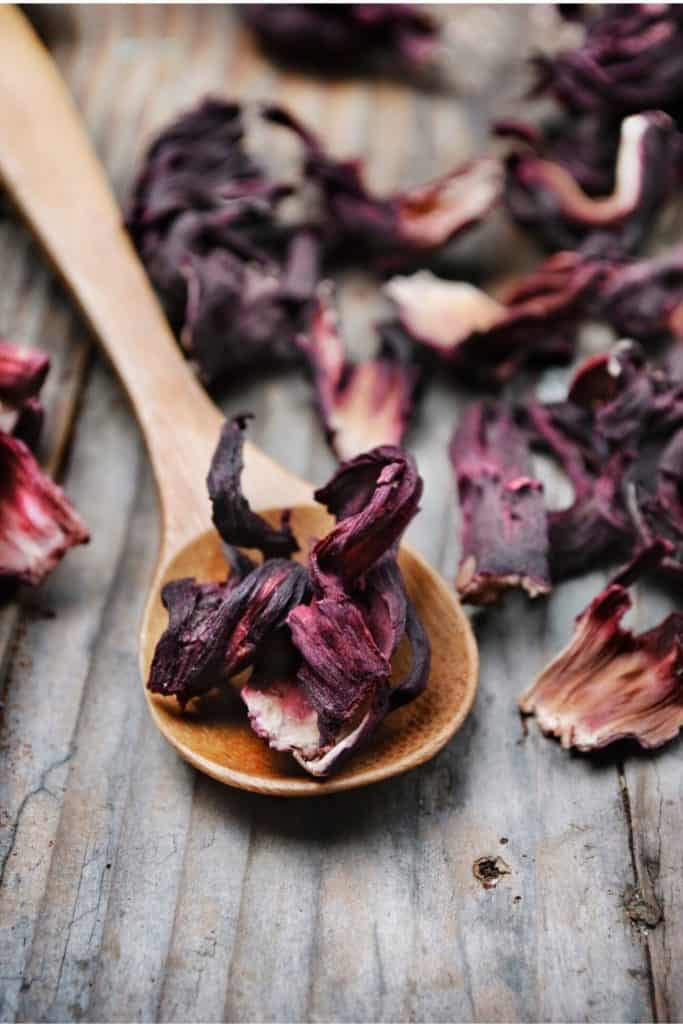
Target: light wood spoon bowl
(50, 168)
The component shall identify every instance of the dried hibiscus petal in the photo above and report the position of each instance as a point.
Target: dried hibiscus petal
(237, 524)
(361, 405)
(644, 300)
(543, 196)
(214, 629)
(504, 531)
(631, 60)
(421, 218)
(37, 523)
(339, 35)
(489, 339)
(22, 372)
(609, 684)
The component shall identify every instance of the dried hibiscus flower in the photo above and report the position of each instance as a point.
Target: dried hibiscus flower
(631, 60)
(618, 437)
(415, 220)
(543, 197)
(318, 638)
(361, 405)
(609, 684)
(644, 300)
(233, 280)
(489, 339)
(344, 35)
(504, 536)
(37, 523)
(22, 372)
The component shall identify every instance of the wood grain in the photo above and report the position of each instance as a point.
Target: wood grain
(133, 888)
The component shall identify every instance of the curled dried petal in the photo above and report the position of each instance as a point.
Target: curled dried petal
(489, 339)
(22, 373)
(237, 524)
(361, 405)
(544, 197)
(421, 218)
(609, 684)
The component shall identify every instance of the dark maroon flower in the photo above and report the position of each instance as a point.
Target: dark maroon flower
(631, 60)
(237, 524)
(37, 523)
(364, 404)
(235, 282)
(418, 219)
(489, 339)
(22, 372)
(543, 196)
(609, 684)
(504, 536)
(329, 36)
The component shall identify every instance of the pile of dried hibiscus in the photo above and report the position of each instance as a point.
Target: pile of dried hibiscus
(245, 288)
(319, 637)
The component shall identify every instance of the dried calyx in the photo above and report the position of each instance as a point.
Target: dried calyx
(364, 404)
(488, 339)
(416, 220)
(504, 537)
(629, 61)
(235, 282)
(543, 195)
(319, 638)
(37, 522)
(609, 684)
(619, 438)
(343, 35)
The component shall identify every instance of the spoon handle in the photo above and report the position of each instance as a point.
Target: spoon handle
(50, 168)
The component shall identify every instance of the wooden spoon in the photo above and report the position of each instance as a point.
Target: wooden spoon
(50, 168)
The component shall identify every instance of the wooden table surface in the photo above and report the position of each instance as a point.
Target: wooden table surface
(134, 888)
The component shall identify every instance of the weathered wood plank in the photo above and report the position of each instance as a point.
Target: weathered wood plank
(137, 889)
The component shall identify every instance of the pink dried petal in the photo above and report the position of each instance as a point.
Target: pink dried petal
(361, 405)
(37, 523)
(489, 339)
(609, 684)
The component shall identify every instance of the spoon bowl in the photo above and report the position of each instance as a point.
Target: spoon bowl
(50, 168)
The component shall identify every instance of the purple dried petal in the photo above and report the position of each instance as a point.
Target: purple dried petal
(421, 218)
(645, 300)
(232, 516)
(37, 523)
(631, 60)
(361, 405)
(488, 340)
(609, 684)
(214, 629)
(326, 36)
(504, 531)
(544, 197)
(374, 497)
